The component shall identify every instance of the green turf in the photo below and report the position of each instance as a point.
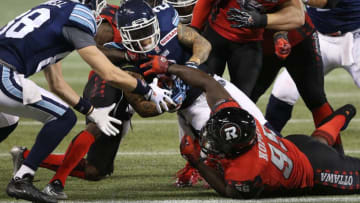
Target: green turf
(149, 176)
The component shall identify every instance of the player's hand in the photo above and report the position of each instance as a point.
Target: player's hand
(101, 117)
(158, 65)
(282, 45)
(190, 149)
(134, 57)
(246, 18)
(159, 96)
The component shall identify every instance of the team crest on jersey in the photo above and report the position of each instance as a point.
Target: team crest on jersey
(168, 37)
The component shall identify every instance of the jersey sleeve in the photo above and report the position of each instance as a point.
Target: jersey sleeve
(174, 16)
(200, 13)
(83, 18)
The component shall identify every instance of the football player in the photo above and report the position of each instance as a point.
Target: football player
(339, 46)
(29, 44)
(236, 39)
(193, 111)
(255, 161)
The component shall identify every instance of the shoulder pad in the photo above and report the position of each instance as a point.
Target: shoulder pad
(83, 18)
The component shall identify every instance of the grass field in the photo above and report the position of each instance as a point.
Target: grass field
(149, 157)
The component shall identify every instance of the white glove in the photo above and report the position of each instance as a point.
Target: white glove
(101, 117)
(159, 96)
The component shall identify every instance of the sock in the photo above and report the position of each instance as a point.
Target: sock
(52, 162)
(320, 113)
(24, 170)
(6, 131)
(49, 138)
(330, 130)
(278, 113)
(75, 152)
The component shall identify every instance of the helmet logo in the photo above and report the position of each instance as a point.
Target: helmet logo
(231, 130)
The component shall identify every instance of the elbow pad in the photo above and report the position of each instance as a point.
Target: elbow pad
(331, 4)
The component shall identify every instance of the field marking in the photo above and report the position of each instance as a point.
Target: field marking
(174, 121)
(270, 200)
(163, 153)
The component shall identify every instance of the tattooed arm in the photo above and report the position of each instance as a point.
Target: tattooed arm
(192, 39)
(104, 35)
(142, 106)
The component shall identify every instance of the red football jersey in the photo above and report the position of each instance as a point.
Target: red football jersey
(273, 163)
(295, 36)
(221, 25)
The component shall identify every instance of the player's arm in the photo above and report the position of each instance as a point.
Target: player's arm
(191, 38)
(196, 78)
(201, 13)
(142, 106)
(321, 3)
(104, 35)
(290, 16)
(59, 86)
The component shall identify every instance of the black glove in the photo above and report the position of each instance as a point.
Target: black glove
(247, 18)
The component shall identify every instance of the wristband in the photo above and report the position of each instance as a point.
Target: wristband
(141, 88)
(83, 106)
(192, 64)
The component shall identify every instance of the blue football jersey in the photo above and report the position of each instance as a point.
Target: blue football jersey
(34, 40)
(169, 45)
(344, 18)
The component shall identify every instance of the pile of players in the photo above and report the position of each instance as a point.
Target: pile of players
(181, 48)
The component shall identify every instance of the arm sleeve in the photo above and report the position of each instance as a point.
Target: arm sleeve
(200, 13)
(77, 37)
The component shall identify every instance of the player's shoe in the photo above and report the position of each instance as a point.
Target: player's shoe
(348, 110)
(17, 154)
(22, 188)
(187, 177)
(55, 189)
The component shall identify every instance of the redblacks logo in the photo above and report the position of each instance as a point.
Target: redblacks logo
(168, 37)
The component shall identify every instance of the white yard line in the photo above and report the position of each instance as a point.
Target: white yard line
(173, 121)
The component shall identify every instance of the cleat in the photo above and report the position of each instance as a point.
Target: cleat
(187, 177)
(17, 154)
(347, 110)
(22, 188)
(56, 190)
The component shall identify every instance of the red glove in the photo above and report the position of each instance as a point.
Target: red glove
(282, 45)
(133, 57)
(190, 149)
(158, 65)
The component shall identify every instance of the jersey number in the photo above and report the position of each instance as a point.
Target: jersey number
(27, 23)
(278, 158)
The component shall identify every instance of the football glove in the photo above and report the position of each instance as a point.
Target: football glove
(246, 18)
(157, 64)
(190, 149)
(100, 116)
(282, 45)
(159, 96)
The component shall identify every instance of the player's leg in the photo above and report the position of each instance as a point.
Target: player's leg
(99, 94)
(191, 120)
(334, 173)
(8, 123)
(245, 65)
(354, 68)
(218, 56)
(49, 110)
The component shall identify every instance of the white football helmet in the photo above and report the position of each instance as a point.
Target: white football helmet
(184, 8)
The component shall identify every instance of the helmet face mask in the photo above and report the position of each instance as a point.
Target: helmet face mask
(229, 133)
(184, 8)
(138, 26)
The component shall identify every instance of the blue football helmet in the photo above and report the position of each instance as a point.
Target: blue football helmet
(229, 132)
(184, 8)
(138, 26)
(96, 6)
